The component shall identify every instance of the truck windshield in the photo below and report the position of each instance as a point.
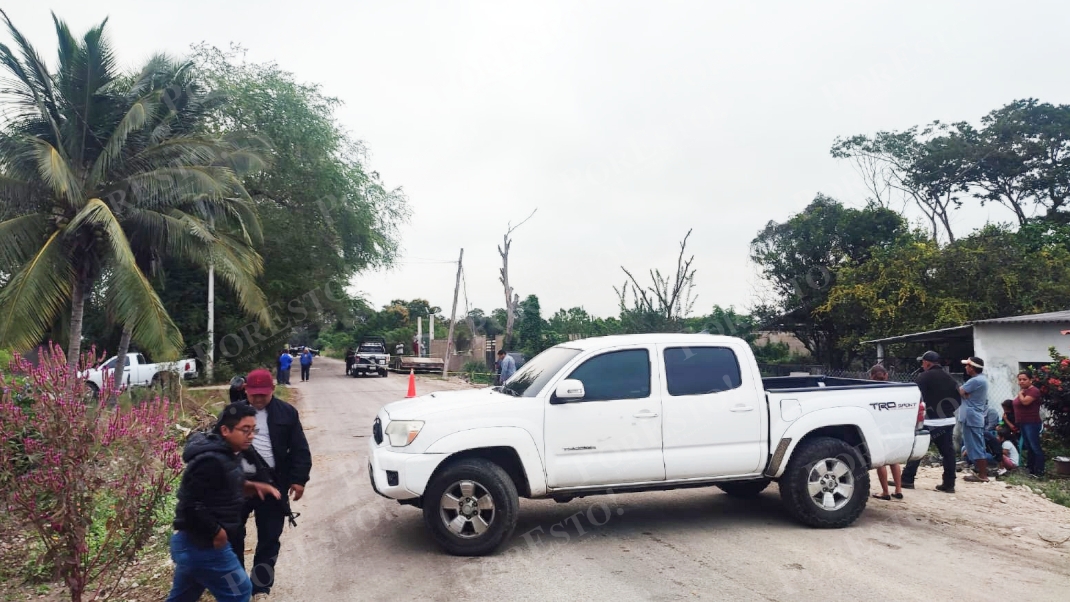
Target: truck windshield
(530, 379)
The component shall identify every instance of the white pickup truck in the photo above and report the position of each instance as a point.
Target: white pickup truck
(137, 372)
(638, 413)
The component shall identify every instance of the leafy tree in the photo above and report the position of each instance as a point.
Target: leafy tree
(530, 327)
(325, 216)
(800, 259)
(79, 164)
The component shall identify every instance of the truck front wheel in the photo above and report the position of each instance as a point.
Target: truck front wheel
(826, 484)
(471, 507)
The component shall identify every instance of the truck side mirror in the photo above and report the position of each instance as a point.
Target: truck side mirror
(568, 390)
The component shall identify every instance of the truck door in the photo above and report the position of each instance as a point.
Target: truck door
(612, 435)
(713, 414)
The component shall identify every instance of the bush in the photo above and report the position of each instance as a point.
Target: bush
(1053, 381)
(88, 480)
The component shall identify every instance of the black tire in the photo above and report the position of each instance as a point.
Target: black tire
(92, 389)
(383, 373)
(744, 489)
(806, 460)
(489, 477)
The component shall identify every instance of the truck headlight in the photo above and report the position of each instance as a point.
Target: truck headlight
(402, 432)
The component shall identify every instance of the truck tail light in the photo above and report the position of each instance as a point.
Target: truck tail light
(921, 416)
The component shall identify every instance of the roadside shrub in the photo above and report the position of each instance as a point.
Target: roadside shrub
(1053, 381)
(87, 479)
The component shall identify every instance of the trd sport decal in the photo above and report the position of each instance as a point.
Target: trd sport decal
(891, 405)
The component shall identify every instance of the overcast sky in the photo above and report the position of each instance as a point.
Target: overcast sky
(624, 123)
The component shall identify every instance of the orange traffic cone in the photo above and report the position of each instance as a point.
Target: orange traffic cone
(412, 385)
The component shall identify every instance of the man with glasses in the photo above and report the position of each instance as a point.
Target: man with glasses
(280, 446)
(210, 505)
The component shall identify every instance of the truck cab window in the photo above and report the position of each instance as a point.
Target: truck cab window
(615, 375)
(701, 370)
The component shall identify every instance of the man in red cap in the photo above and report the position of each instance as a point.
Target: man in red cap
(282, 449)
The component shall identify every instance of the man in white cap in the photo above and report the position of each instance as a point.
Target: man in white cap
(974, 408)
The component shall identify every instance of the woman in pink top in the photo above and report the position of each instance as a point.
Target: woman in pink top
(1027, 419)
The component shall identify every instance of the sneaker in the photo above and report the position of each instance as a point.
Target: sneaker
(945, 489)
(1001, 472)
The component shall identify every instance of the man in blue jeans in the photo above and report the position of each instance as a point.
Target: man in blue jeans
(211, 498)
(306, 364)
(974, 408)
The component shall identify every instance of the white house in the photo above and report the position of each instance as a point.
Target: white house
(1005, 344)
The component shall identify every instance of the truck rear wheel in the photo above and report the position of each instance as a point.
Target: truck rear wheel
(826, 484)
(744, 488)
(471, 507)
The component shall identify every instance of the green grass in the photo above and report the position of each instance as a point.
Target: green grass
(1055, 489)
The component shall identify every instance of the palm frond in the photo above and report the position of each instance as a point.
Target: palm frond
(36, 294)
(20, 239)
(33, 72)
(56, 173)
(135, 119)
(130, 295)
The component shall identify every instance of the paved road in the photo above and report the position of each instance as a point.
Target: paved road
(692, 544)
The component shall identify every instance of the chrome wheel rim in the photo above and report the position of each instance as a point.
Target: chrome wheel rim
(467, 509)
(830, 484)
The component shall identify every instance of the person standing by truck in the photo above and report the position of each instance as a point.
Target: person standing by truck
(880, 373)
(940, 393)
(351, 356)
(974, 411)
(285, 361)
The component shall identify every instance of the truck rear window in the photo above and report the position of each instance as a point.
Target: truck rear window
(701, 370)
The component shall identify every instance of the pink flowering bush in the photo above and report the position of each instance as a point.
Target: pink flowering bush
(88, 480)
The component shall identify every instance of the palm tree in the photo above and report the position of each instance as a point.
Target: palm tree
(90, 161)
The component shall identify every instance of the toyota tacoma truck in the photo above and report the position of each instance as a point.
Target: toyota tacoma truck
(137, 372)
(371, 357)
(639, 413)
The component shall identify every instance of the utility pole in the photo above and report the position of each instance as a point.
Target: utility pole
(209, 368)
(453, 315)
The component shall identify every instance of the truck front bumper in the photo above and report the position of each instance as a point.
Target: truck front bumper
(400, 476)
(921, 445)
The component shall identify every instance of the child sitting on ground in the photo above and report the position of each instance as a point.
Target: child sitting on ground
(1008, 421)
(1010, 458)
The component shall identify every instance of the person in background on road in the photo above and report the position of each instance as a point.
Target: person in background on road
(285, 361)
(974, 408)
(1009, 458)
(237, 389)
(400, 349)
(1027, 417)
(351, 356)
(879, 372)
(280, 442)
(208, 516)
(415, 347)
(306, 364)
(940, 393)
(508, 366)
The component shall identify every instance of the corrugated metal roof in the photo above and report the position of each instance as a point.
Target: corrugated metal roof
(943, 334)
(1054, 316)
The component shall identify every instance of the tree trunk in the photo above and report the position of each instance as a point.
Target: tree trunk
(74, 345)
(120, 354)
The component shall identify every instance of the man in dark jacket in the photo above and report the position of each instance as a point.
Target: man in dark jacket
(211, 498)
(940, 392)
(280, 442)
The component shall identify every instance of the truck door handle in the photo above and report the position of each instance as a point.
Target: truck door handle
(742, 408)
(645, 415)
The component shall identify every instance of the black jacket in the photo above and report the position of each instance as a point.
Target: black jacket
(293, 460)
(940, 392)
(210, 495)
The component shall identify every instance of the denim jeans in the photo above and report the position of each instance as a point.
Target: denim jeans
(1031, 443)
(198, 568)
